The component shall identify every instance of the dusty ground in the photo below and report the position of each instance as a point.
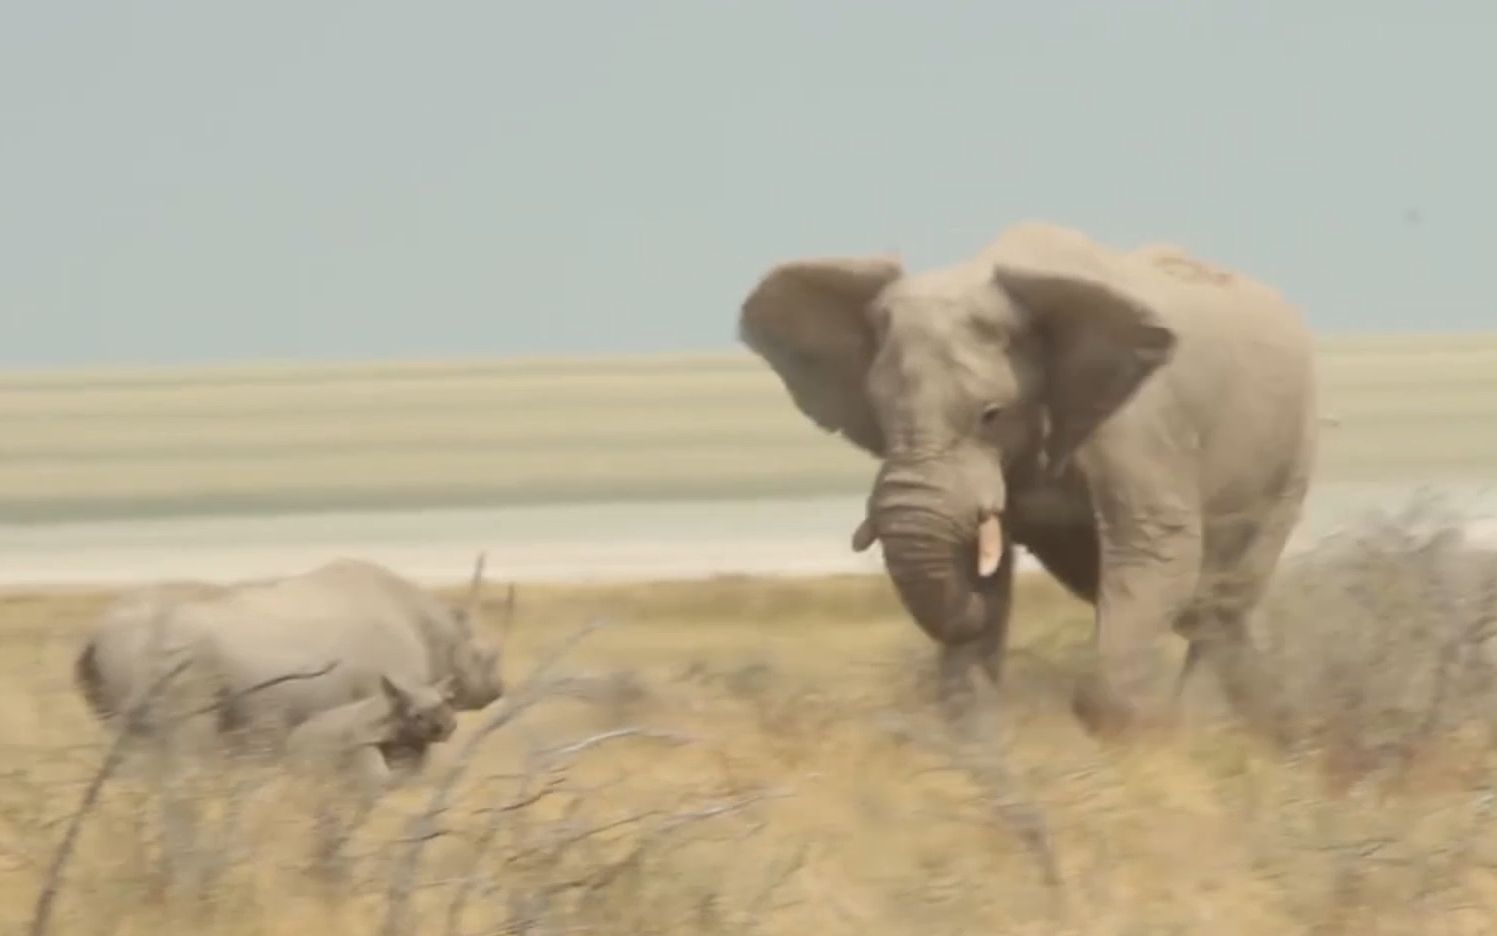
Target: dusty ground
(803, 783)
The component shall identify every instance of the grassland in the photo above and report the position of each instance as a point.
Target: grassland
(781, 767)
(266, 438)
(798, 780)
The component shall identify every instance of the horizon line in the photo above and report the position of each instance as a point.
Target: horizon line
(1325, 339)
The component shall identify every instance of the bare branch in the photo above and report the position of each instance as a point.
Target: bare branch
(41, 917)
(578, 747)
(423, 826)
(261, 686)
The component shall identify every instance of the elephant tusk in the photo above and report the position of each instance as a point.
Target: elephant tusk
(989, 545)
(863, 536)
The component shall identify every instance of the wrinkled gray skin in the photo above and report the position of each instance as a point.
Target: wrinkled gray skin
(363, 737)
(1142, 423)
(359, 616)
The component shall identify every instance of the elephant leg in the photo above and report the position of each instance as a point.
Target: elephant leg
(1223, 643)
(1151, 558)
(1218, 639)
(1228, 650)
(1240, 562)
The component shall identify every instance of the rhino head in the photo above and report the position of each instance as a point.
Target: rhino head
(473, 662)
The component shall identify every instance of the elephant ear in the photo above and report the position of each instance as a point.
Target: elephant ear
(1101, 339)
(809, 320)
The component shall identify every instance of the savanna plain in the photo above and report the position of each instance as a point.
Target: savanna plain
(759, 754)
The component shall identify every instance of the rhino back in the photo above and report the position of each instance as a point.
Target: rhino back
(298, 626)
(381, 588)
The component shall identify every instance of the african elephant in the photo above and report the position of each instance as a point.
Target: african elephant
(1141, 422)
(350, 623)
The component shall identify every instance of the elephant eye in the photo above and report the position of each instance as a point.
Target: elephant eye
(991, 413)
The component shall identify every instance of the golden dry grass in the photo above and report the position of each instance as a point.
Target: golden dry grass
(874, 819)
(265, 438)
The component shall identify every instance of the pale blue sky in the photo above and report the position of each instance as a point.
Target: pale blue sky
(187, 181)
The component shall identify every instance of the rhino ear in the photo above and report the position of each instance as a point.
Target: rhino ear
(399, 699)
(808, 319)
(1100, 339)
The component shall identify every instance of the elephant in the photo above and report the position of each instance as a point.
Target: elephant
(1142, 422)
(271, 654)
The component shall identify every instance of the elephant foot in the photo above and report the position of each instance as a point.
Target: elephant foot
(1251, 694)
(1111, 717)
(1264, 724)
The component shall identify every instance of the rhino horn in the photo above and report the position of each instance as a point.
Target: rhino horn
(475, 587)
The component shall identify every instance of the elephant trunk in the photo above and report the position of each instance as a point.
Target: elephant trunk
(946, 583)
(939, 523)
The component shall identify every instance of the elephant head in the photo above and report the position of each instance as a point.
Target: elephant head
(964, 381)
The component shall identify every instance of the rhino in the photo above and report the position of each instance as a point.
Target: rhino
(397, 726)
(275, 653)
(113, 670)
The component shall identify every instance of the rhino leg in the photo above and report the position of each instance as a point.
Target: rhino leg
(338, 820)
(370, 770)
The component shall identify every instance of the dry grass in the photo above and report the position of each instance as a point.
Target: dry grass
(252, 439)
(765, 758)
